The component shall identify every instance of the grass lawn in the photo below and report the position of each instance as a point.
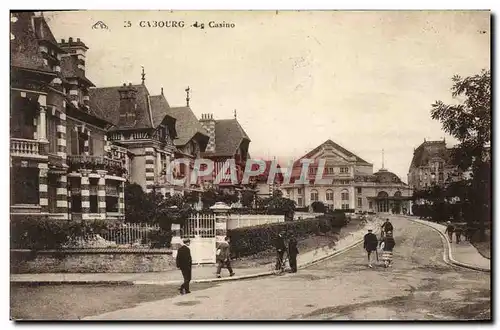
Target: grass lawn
(484, 248)
(311, 243)
(72, 302)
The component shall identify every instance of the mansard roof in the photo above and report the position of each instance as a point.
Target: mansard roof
(187, 126)
(106, 102)
(228, 137)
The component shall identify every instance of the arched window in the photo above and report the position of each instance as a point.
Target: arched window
(329, 195)
(397, 194)
(314, 195)
(345, 199)
(383, 194)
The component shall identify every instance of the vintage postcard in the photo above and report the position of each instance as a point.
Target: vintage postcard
(250, 165)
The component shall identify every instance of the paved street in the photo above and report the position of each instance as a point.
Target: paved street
(419, 286)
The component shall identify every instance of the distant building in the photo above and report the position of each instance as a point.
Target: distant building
(431, 164)
(354, 185)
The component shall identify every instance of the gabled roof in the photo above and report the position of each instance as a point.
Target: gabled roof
(228, 137)
(24, 49)
(346, 152)
(106, 102)
(187, 125)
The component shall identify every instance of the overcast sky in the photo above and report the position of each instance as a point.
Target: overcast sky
(365, 80)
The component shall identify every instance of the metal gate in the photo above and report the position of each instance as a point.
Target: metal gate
(200, 229)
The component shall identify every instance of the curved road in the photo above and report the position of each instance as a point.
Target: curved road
(420, 286)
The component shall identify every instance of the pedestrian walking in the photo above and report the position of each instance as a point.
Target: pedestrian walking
(449, 230)
(387, 247)
(458, 234)
(184, 262)
(280, 250)
(224, 257)
(293, 251)
(370, 244)
(386, 227)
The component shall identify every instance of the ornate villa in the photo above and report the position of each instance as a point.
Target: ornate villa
(73, 145)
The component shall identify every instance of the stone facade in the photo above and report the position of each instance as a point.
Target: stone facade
(351, 182)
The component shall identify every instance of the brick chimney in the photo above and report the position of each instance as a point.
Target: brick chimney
(76, 49)
(128, 105)
(208, 122)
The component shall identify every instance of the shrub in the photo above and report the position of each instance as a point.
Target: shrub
(42, 233)
(251, 240)
(318, 207)
(158, 239)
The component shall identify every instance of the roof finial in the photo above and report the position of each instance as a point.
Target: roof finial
(382, 158)
(234, 113)
(162, 91)
(187, 95)
(143, 75)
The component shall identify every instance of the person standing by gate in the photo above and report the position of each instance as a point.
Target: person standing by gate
(184, 262)
(280, 250)
(292, 254)
(224, 257)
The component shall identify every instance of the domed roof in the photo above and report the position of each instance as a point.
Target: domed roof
(384, 176)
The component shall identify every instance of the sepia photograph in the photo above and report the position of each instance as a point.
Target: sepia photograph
(258, 165)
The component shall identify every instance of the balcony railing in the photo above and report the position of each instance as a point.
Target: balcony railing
(25, 147)
(113, 166)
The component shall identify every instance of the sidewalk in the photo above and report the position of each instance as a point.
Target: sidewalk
(201, 274)
(463, 254)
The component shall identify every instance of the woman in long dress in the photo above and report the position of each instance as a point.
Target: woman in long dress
(387, 246)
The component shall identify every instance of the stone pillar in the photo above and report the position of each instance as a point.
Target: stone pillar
(221, 213)
(101, 193)
(43, 187)
(121, 199)
(352, 197)
(62, 195)
(61, 135)
(158, 162)
(150, 168)
(42, 116)
(68, 184)
(176, 241)
(86, 147)
(85, 193)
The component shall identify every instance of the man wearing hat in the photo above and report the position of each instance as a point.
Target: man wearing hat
(184, 263)
(370, 244)
(280, 246)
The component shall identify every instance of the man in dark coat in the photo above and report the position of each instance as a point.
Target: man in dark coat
(292, 254)
(279, 243)
(386, 227)
(370, 244)
(184, 263)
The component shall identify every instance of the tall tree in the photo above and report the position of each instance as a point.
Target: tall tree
(470, 123)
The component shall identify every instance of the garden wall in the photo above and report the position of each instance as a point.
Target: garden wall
(91, 261)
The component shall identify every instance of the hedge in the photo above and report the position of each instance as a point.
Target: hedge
(41, 233)
(251, 240)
